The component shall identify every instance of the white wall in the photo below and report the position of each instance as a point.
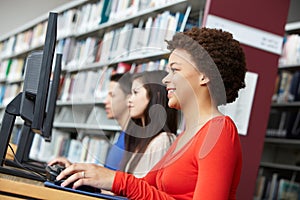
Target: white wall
(15, 13)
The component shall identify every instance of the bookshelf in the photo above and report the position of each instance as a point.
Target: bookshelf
(281, 153)
(94, 42)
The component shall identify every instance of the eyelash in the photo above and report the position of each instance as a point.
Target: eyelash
(173, 69)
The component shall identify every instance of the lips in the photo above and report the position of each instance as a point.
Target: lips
(130, 106)
(170, 92)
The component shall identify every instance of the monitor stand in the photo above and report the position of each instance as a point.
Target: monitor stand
(13, 167)
(23, 150)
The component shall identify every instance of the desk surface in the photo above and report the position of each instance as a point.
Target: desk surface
(13, 187)
(16, 188)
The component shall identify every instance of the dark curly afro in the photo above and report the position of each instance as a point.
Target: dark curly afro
(219, 57)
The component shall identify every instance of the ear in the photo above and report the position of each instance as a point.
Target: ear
(203, 79)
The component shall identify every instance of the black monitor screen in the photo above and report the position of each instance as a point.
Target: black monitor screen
(36, 103)
(39, 96)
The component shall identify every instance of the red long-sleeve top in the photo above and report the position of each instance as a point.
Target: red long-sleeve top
(207, 167)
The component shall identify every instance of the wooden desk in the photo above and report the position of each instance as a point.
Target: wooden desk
(15, 189)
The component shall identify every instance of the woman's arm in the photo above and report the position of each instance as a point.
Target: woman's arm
(135, 188)
(219, 168)
(119, 183)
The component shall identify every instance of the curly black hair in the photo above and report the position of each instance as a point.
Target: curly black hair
(210, 48)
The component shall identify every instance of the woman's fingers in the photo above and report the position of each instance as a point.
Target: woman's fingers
(87, 174)
(74, 179)
(61, 161)
(72, 169)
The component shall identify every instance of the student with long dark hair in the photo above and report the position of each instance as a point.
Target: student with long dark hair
(154, 123)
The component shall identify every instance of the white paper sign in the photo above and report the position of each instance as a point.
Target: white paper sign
(240, 109)
(247, 35)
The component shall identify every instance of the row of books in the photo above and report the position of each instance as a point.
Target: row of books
(92, 84)
(275, 187)
(23, 41)
(85, 85)
(77, 54)
(284, 123)
(82, 19)
(124, 42)
(75, 117)
(11, 70)
(77, 21)
(90, 116)
(87, 148)
(8, 92)
(148, 38)
(287, 87)
(291, 51)
(88, 85)
(91, 15)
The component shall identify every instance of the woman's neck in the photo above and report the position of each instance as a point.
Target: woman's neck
(197, 113)
(123, 121)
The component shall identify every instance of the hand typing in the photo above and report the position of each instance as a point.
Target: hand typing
(87, 174)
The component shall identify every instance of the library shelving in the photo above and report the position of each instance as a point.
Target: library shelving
(96, 37)
(280, 160)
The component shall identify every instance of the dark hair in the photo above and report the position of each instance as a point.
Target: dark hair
(210, 48)
(124, 81)
(159, 117)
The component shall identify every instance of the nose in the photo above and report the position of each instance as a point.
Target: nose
(106, 100)
(166, 79)
(129, 98)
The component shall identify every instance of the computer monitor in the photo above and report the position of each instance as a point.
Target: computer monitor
(36, 103)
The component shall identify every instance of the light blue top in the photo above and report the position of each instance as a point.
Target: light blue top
(115, 153)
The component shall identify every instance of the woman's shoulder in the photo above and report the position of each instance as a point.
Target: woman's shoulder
(220, 133)
(163, 139)
(165, 136)
(223, 121)
(220, 125)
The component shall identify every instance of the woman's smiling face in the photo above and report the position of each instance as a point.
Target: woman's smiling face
(182, 80)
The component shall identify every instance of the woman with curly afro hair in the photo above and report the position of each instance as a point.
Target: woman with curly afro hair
(206, 69)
